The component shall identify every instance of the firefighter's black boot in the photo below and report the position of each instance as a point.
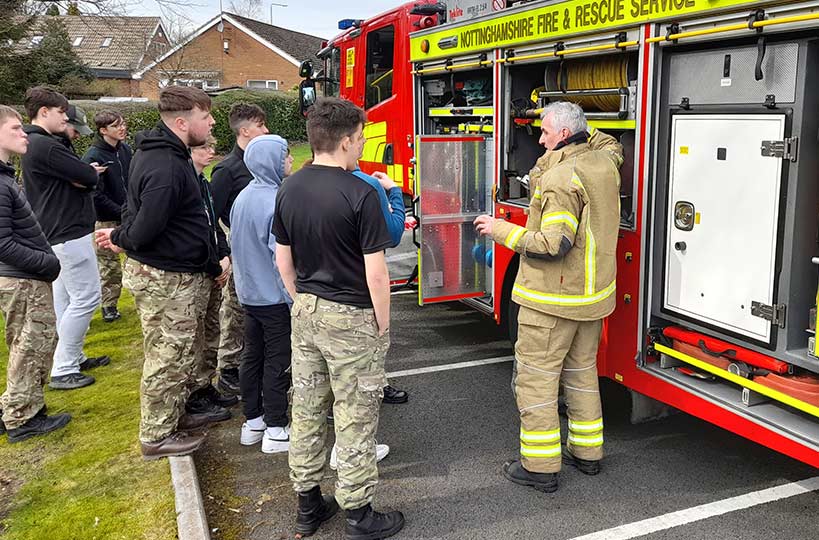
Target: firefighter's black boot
(545, 482)
(586, 466)
(366, 524)
(313, 511)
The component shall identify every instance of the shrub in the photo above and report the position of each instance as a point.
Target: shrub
(282, 108)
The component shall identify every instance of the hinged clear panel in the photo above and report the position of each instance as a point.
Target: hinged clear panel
(454, 185)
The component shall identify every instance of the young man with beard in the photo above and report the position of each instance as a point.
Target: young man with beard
(168, 233)
(230, 177)
(110, 149)
(60, 189)
(27, 268)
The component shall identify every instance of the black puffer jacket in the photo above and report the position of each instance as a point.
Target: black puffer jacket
(24, 250)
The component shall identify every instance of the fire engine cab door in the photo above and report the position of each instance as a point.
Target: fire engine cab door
(721, 227)
(453, 185)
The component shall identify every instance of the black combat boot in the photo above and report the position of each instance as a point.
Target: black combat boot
(366, 524)
(200, 404)
(38, 425)
(313, 511)
(218, 398)
(586, 466)
(228, 383)
(545, 482)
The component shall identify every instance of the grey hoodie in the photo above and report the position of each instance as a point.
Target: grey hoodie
(253, 246)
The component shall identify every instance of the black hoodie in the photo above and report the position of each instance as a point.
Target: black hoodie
(24, 250)
(230, 176)
(167, 221)
(50, 172)
(112, 187)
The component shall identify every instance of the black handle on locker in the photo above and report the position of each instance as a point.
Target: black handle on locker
(704, 348)
(389, 155)
(679, 246)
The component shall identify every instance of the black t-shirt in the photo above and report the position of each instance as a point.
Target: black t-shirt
(330, 219)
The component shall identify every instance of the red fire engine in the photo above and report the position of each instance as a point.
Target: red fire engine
(714, 102)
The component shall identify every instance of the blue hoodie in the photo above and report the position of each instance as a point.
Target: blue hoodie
(258, 282)
(393, 209)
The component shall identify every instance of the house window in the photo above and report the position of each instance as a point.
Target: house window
(210, 84)
(263, 85)
(77, 41)
(35, 41)
(106, 42)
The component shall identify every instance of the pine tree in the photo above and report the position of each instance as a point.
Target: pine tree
(53, 10)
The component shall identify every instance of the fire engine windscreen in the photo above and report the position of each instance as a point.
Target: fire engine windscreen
(591, 74)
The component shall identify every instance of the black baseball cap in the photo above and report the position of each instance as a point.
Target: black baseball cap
(76, 117)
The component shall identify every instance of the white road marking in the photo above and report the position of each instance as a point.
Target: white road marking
(447, 367)
(704, 511)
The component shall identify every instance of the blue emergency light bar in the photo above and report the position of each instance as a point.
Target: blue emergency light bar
(344, 24)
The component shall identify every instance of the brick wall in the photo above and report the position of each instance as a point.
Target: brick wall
(204, 57)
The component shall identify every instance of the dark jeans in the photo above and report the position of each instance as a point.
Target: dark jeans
(263, 375)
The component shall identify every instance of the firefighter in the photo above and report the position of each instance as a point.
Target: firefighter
(565, 287)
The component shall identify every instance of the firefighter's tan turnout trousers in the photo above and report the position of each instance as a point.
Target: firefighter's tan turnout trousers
(549, 349)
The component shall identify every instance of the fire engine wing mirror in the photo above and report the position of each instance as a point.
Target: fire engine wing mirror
(307, 95)
(306, 70)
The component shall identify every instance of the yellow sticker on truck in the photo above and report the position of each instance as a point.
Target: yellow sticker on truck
(554, 21)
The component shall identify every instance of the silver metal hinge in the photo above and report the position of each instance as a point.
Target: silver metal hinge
(785, 149)
(775, 314)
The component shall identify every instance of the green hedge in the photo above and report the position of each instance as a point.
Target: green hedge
(282, 108)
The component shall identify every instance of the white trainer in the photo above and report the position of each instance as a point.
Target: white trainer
(381, 451)
(276, 439)
(251, 436)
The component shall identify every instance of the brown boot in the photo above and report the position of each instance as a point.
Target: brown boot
(188, 422)
(180, 443)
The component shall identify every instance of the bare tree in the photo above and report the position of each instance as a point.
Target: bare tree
(246, 8)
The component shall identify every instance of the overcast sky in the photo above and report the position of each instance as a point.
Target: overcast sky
(316, 17)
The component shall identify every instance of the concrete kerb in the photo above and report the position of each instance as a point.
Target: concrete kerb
(191, 521)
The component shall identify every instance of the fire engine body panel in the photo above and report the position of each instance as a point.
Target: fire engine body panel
(360, 66)
(716, 270)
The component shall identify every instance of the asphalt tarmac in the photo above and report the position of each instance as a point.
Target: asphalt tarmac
(449, 442)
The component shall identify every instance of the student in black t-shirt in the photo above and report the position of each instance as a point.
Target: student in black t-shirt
(331, 236)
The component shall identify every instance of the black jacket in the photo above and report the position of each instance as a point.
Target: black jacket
(112, 187)
(24, 250)
(229, 178)
(167, 221)
(50, 172)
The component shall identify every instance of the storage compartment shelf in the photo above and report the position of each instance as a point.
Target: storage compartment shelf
(597, 124)
(459, 112)
(777, 417)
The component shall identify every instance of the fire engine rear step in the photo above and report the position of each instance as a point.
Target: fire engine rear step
(756, 404)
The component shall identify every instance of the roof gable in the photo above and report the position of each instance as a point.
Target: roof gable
(293, 46)
(107, 43)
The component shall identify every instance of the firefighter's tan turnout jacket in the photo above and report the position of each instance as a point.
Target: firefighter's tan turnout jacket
(567, 249)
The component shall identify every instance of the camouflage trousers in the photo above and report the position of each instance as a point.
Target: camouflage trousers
(169, 311)
(110, 270)
(336, 352)
(550, 351)
(31, 336)
(207, 334)
(232, 324)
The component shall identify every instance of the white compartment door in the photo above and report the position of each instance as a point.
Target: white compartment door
(723, 211)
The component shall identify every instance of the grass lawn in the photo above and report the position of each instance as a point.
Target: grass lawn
(88, 481)
(301, 153)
